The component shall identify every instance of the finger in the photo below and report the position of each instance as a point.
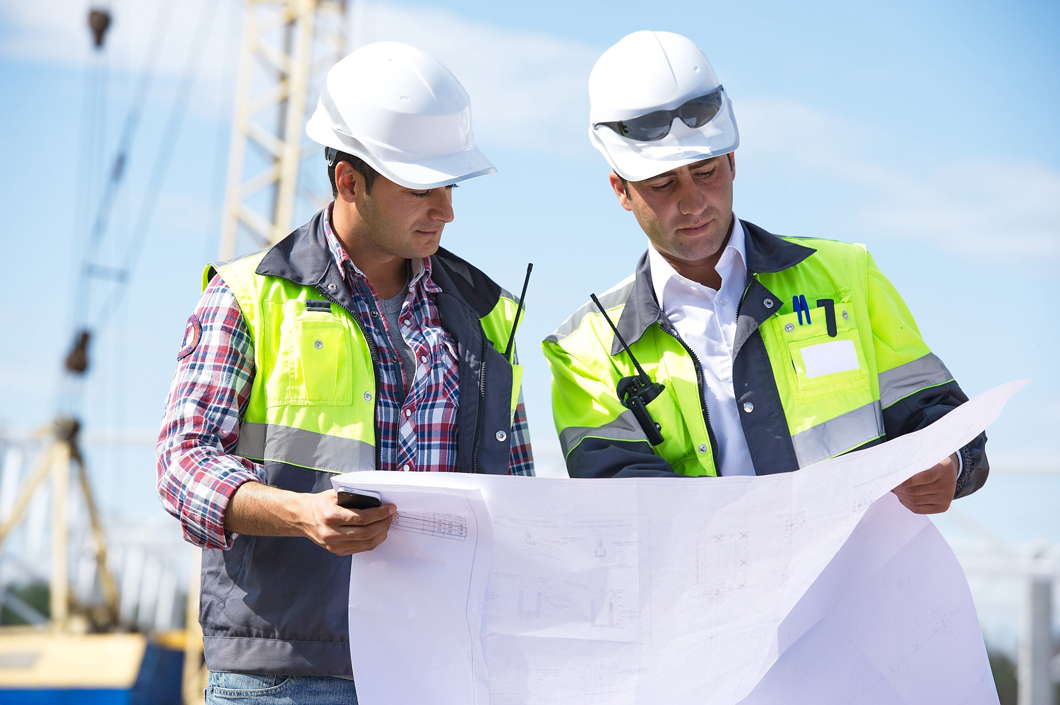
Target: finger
(363, 517)
(351, 547)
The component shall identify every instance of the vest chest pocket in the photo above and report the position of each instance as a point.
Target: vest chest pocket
(313, 359)
(820, 365)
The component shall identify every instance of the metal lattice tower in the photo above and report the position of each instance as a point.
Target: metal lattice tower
(287, 47)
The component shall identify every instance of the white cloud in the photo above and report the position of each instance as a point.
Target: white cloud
(56, 32)
(980, 207)
(527, 89)
(529, 92)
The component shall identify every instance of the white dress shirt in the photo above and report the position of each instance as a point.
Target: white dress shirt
(705, 319)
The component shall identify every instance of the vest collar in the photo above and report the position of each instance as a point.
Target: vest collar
(766, 253)
(302, 257)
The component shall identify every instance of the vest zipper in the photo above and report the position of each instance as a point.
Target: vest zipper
(375, 368)
(481, 403)
(701, 385)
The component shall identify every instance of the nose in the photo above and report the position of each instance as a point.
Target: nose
(690, 199)
(442, 205)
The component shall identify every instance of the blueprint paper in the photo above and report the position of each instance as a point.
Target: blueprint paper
(648, 590)
(890, 621)
(419, 606)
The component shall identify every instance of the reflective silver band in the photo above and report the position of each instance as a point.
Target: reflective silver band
(610, 299)
(624, 428)
(307, 449)
(924, 372)
(839, 435)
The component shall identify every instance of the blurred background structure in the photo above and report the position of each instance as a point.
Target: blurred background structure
(141, 140)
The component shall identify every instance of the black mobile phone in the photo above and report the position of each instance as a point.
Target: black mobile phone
(360, 499)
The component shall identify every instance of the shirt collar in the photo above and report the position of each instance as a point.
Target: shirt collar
(421, 268)
(733, 262)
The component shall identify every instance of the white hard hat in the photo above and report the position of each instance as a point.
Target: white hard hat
(402, 112)
(662, 73)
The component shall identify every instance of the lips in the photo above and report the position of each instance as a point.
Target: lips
(694, 229)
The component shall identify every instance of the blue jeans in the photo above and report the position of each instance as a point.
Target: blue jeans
(245, 688)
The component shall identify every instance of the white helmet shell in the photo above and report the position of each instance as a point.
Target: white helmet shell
(402, 112)
(647, 71)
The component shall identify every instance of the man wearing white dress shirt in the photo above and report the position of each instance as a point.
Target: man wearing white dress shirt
(731, 351)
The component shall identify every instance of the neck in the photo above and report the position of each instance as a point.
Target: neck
(703, 271)
(387, 273)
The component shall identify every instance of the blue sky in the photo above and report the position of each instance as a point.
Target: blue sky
(926, 130)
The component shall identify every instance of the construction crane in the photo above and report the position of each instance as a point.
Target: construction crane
(286, 45)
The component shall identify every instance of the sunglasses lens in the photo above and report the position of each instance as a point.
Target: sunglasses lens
(699, 111)
(648, 128)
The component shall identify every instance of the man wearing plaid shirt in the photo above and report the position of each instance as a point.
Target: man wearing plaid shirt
(355, 343)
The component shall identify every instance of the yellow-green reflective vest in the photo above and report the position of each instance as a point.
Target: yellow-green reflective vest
(798, 405)
(312, 402)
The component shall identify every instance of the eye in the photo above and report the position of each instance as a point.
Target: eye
(706, 173)
(661, 186)
(421, 194)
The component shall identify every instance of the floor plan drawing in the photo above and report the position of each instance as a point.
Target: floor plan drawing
(801, 588)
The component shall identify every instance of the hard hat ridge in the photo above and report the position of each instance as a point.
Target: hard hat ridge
(646, 72)
(403, 113)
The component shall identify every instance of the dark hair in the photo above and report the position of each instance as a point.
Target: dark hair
(334, 156)
(625, 184)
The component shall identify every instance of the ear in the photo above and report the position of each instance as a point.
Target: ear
(348, 182)
(620, 191)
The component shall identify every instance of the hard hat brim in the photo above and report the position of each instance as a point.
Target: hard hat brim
(423, 173)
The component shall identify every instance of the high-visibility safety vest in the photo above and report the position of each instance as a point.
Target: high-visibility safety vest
(809, 386)
(312, 402)
(279, 605)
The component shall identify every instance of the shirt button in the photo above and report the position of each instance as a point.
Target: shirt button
(368, 396)
(789, 327)
(721, 302)
(768, 303)
(406, 467)
(406, 323)
(702, 447)
(408, 412)
(423, 359)
(502, 436)
(375, 314)
(748, 407)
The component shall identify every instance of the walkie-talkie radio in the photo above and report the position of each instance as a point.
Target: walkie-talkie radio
(636, 391)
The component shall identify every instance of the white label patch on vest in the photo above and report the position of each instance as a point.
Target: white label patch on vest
(192, 335)
(829, 358)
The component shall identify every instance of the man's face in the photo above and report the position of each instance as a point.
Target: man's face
(404, 222)
(685, 212)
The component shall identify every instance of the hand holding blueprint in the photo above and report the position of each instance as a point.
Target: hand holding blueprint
(815, 586)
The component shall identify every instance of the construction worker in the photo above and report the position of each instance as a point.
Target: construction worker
(355, 343)
(760, 354)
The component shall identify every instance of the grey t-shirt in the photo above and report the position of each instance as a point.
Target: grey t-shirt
(392, 309)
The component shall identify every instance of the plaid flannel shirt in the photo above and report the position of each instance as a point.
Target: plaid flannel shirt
(198, 471)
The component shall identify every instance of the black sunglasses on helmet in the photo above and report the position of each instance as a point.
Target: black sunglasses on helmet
(655, 125)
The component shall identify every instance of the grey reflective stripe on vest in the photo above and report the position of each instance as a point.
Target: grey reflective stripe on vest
(610, 299)
(921, 373)
(307, 449)
(839, 435)
(624, 428)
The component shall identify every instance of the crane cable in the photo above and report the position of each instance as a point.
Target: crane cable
(101, 222)
(162, 161)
